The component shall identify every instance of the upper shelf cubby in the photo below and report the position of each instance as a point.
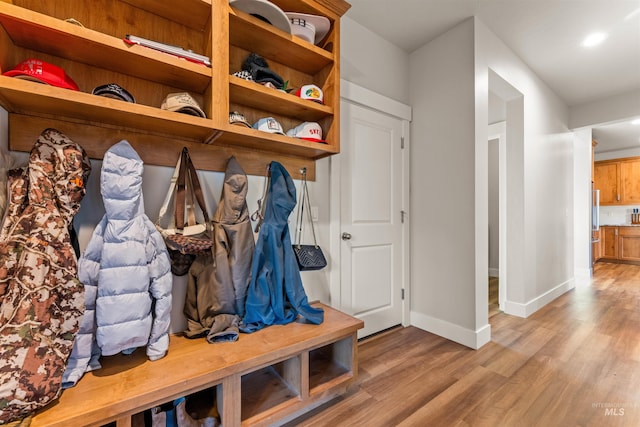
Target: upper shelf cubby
(194, 14)
(254, 35)
(37, 32)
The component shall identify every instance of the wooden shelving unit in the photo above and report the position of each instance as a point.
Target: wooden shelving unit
(265, 377)
(95, 54)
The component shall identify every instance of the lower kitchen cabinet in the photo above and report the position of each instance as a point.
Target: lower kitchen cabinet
(619, 243)
(609, 242)
(629, 243)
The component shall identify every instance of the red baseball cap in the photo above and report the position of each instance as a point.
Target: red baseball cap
(42, 72)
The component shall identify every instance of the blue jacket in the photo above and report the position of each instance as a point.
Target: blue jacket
(126, 272)
(275, 295)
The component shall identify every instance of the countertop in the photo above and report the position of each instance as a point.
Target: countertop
(619, 225)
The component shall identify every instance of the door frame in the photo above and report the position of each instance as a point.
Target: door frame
(352, 93)
(499, 131)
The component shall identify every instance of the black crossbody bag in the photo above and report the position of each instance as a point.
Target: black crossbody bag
(309, 257)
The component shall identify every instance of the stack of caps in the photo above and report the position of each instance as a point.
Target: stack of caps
(312, 28)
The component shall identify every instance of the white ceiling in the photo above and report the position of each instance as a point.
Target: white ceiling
(546, 34)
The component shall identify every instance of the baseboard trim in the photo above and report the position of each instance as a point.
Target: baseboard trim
(451, 331)
(527, 309)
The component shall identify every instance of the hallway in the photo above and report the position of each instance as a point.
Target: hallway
(574, 362)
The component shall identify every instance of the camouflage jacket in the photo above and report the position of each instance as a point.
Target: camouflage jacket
(42, 299)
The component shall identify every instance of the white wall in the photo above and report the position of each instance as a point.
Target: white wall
(548, 177)
(607, 110)
(443, 185)
(370, 61)
(497, 113)
(494, 214)
(449, 256)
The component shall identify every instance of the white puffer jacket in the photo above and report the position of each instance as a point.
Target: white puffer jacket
(126, 271)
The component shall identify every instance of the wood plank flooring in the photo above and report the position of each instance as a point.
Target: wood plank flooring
(494, 305)
(576, 362)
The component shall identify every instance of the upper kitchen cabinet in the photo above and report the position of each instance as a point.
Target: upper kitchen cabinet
(607, 180)
(630, 181)
(89, 47)
(618, 181)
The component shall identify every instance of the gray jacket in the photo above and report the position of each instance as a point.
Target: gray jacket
(217, 288)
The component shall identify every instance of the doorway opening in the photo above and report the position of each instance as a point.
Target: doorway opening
(505, 202)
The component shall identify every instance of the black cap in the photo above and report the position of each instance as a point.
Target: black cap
(115, 91)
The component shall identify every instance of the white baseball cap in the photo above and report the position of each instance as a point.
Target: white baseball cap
(311, 92)
(268, 124)
(264, 10)
(309, 131)
(312, 28)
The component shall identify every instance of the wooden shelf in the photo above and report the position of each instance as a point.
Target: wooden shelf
(254, 35)
(252, 138)
(26, 97)
(257, 96)
(191, 13)
(329, 8)
(43, 33)
(261, 378)
(329, 365)
(266, 392)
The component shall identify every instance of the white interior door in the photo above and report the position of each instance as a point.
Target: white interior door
(371, 217)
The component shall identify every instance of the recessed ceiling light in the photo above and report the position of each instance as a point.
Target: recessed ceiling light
(594, 39)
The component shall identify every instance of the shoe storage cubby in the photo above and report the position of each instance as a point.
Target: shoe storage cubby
(265, 378)
(94, 53)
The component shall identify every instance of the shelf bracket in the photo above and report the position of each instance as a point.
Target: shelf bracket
(212, 138)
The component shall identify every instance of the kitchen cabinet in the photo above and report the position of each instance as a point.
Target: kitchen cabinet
(618, 181)
(607, 180)
(94, 54)
(609, 242)
(620, 243)
(629, 243)
(630, 182)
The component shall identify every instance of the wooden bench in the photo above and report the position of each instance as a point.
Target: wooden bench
(271, 375)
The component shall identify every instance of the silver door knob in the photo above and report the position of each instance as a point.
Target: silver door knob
(346, 236)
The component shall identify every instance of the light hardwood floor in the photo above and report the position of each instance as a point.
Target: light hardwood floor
(494, 305)
(575, 362)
